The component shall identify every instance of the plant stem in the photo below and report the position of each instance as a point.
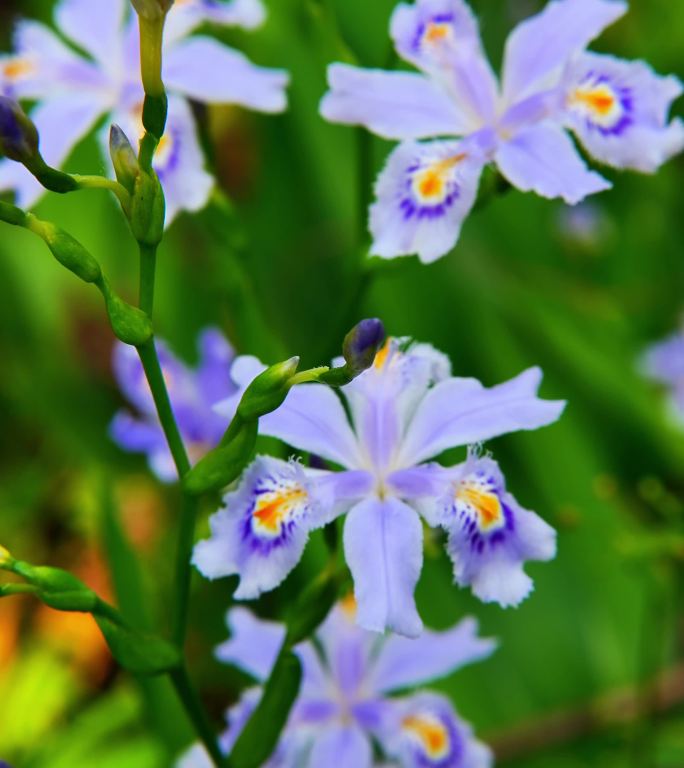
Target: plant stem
(148, 264)
(101, 182)
(155, 379)
(193, 707)
(186, 530)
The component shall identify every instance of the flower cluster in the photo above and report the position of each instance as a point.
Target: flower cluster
(345, 700)
(618, 111)
(74, 91)
(404, 412)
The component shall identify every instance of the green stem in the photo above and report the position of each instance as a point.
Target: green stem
(193, 707)
(101, 182)
(186, 532)
(148, 264)
(155, 379)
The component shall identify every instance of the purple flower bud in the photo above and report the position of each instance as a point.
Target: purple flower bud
(18, 134)
(361, 344)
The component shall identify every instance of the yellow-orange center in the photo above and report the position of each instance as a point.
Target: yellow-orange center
(487, 504)
(431, 182)
(16, 68)
(436, 32)
(382, 354)
(432, 734)
(272, 508)
(600, 100)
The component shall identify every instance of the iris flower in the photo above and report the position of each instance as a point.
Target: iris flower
(76, 85)
(382, 438)
(346, 698)
(549, 86)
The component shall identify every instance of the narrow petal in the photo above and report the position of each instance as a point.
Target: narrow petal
(442, 38)
(190, 68)
(341, 746)
(394, 105)
(540, 46)
(383, 544)
(94, 27)
(543, 159)
(619, 111)
(404, 663)
(425, 731)
(44, 66)
(263, 529)
(214, 371)
(185, 17)
(427, 480)
(423, 196)
(253, 644)
(312, 419)
(136, 435)
(491, 535)
(462, 411)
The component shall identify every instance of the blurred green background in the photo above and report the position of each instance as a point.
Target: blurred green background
(591, 668)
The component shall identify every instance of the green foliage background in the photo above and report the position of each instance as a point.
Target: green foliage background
(283, 275)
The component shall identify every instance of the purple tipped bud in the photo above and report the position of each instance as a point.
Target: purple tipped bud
(18, 134)
(123, 157)
(361, 344)
(152, 9)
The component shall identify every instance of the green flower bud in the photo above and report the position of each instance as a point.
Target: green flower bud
(18, 134)
(130, 324)
(224, 464)
(57, 588)
(123, 157)
(68, 251)
(268, 391)
(147, 209)
(152, 9)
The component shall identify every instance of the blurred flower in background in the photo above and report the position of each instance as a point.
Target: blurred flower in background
(664, 362)
(617, 109)
(347, 698)
(74, 91)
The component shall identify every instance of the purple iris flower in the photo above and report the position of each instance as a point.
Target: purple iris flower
(193, 393)
(347, 697)
(393, 421)
(74, 91)
(617, 109)
(664, 362)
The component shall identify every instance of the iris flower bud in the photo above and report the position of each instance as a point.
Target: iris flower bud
(123, 158)
(361, 344)
(152, 9)
(268, 391)
(18, 134)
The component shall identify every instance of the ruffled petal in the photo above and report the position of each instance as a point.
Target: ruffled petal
(461, 411)
(540, 46)
(404, 663)
(543, 159)
(190, 68)
(312, 419)
(619, 111)
(253, 644)
(261, 532)
(383, 545)
(442, 38)
(491, 535)
(425, 731)
(94, 27)
(423, 196)
(394, 105)
(344, 746)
